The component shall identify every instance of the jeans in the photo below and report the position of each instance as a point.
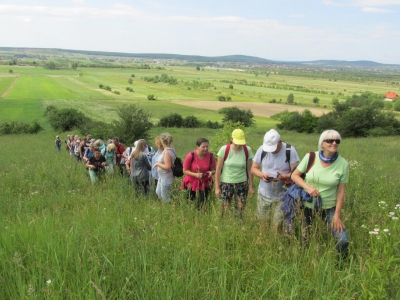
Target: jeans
(341, 238)
(163, 190)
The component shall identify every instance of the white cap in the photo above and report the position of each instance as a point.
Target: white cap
(271, 140)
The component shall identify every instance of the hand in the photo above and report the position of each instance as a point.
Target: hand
(280, 177)
(337, 224)
(312, 191)
(199, 175)
(217, 192)
(267, 178)
(251, 192)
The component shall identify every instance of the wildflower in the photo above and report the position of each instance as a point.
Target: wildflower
(33, 193)
(395, 218)
(391, 214)
(374, 232)
(385, 230)
(378, 237)
(363, 226)
(48, 282)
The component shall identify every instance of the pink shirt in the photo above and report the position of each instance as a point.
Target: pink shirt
(195, 164)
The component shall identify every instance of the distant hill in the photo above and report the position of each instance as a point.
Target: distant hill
(242, 59)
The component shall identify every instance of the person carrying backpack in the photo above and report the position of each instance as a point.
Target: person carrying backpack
(235, 182)
(58, 143)
(199, 167)
(277, 160)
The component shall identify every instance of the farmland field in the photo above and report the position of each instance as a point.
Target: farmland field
(37, 88)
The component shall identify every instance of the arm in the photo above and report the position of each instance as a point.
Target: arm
(250, 175)
(220, 164)
(89, 165)
(296, 177)
(167, 165)
(255, 170)
(146, 161)
(337, 223)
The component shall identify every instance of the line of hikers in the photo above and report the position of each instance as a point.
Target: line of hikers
(322, 175)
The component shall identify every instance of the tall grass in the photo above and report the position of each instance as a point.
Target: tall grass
(62, 237)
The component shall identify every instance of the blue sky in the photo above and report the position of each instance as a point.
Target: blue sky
(297, 30)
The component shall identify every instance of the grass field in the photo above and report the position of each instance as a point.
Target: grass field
(37, 87)
(63, 238)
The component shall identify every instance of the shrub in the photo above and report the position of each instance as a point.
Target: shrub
(151, 97)
(20, 127)
(66, 119)
(315, 100)
(304, 122)
(290, 99)
(172, 120)
(191, 122)
(116, 92)
(133, 123)
(235, 114)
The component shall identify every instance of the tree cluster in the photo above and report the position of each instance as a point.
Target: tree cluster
(20, 127)
(133, 123)
(358, 116)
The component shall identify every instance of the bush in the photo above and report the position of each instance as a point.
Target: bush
(172, 120)
(151, 97)
(20, 127)
(116, 92)
(315, 100)
(66, 119)
(191, 122)
(133, 124)
(304, 122)
(396, 105)
(290, 99)
(223, 136)
(213, 125)
(235, 114)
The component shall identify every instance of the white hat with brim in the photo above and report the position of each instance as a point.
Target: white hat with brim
(271, 140)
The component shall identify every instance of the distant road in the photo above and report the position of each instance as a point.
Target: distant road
(258, 109)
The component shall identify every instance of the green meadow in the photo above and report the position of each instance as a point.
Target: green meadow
(31, 89)
(63, 238)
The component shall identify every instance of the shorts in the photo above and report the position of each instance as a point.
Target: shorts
(238, 191)
(268, 207)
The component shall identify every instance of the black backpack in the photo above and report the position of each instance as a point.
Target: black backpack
(177, 168)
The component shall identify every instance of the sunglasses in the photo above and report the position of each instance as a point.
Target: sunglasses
(330, 141)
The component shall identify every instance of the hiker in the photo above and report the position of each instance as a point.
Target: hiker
(96, 165)
(326, 183)
(110, 158)
(154, 159)
(58, 143)
(88, 153)
(125, 160)
(277, 160)
(140, 168)
(235, 183)
(164, 168)
(119, 149)
(199, 167)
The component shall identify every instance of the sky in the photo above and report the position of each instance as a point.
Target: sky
(297, 30)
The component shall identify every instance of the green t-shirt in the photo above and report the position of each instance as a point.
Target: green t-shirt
(326, 180)
(234, 168)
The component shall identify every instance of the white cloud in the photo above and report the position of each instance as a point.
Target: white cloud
(362, 3)
(375, 10)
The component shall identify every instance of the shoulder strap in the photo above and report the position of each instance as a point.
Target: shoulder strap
(288, 146)
(228, 147)
(192, 152)
(263, 153)
(246, 152)
(311, 161)
(211, 156)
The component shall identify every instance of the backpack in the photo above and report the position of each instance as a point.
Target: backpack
(177, 168)
(58, 142)
(211, 156)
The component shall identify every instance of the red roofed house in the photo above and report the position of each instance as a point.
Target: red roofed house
(391, 96)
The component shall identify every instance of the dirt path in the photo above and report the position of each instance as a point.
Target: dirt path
(10, 88)
(258, 109)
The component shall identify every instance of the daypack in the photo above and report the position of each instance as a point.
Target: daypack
(177, 168)
(58, 142)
